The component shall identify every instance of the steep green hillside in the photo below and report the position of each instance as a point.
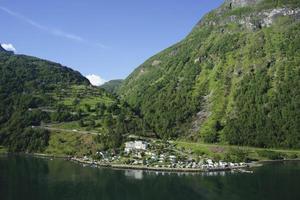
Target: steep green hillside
(38, 97)
(234, 79)
(112, 86)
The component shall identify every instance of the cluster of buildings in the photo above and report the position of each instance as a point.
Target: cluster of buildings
(206, 165)
(209, 164)
(141, 154)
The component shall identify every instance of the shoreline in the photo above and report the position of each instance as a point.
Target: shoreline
(163, 169)
(283, 160)
(148, 168)
(135, 167)
(38, 155)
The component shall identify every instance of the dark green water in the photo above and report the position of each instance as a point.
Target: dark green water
(27, 178)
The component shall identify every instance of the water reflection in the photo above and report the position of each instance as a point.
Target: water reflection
(135, 174)
(33, 178)
(139, 174)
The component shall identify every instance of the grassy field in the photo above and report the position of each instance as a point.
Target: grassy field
(85, 95)
(66, 143)
(68, 125)
(219, 152)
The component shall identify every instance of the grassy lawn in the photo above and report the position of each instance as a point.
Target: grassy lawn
(219, 151)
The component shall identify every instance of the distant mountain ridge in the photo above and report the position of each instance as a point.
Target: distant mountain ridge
(112, 86)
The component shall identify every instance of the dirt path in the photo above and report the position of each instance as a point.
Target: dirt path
(47, 127)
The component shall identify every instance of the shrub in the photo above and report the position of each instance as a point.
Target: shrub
(293, 156)
(272, 155)
(237, 155)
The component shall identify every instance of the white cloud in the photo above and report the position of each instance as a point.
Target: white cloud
(53, 31)
(9, 47)
(95, 79)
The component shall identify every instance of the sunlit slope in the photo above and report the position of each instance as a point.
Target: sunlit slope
(235, 79)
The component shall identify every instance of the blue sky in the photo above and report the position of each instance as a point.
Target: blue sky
(108, 38)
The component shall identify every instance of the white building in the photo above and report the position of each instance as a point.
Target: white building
(136, 145)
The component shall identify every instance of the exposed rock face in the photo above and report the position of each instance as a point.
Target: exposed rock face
(156, 62)
(260, 19)
(269, 17)
(241, 3)
(256, 20)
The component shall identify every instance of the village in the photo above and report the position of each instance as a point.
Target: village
(158, 156)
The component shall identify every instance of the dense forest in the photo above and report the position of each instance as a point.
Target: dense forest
(234, 79)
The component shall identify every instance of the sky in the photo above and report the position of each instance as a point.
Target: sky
(102, 39)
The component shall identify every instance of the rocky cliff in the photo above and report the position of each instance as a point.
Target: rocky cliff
(248, 15)
(241, 3)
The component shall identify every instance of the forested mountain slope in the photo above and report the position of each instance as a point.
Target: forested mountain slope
(35, 93)
(235, 78)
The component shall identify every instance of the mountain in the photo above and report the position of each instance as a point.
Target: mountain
(112, 86)
(234, 79)
(42, 102)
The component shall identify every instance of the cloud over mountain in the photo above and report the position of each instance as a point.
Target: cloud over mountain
(9, 47)
(95, 79)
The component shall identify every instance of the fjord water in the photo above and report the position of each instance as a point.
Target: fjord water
(29, 178)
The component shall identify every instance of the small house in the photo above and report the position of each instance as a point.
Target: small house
(135, 146)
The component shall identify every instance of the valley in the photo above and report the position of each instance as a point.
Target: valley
(228, 92)
(150, 100)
